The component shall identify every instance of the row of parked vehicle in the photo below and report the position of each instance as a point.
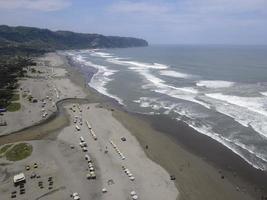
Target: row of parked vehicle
(91, 174)
(83, 144)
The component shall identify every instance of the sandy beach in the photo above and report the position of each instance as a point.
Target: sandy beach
(48, 87)
(62, 157)
(143, 147)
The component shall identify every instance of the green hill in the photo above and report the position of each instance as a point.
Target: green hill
(46, 40)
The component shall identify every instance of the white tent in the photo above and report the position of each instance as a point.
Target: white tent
(19, 178)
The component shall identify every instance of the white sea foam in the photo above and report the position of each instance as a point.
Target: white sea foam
(160, 66)
(101, 54)
(206, 130)
(180, 93)
(248, 111)
(79, 58)
(232, 143)
(175, 74)
(214, 84)
(137, 65)
(158, 85)
(264, 93)
(101, 78)
(87, 50)
(254, 104)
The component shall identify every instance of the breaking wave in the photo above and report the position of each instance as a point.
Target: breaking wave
(201, 98)
(174, 74)
(214, 84)
(101, 78)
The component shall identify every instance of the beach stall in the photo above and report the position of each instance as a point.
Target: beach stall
(19, 178)
(88, 125)
(77, 128)
(88, 158)
(81, 139)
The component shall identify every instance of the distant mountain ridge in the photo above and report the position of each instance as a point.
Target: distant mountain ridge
(47, 40)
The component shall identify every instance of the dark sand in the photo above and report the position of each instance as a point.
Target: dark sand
(204, 168)
(197, 161)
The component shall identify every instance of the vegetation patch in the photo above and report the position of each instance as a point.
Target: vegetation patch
(19, 152)
(30, 97)
(12, 67)
(5, 148)
(13, 107)
(15, 97)
(33, 70)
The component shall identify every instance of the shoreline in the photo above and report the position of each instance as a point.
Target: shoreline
(59, 132)
(228, 164)
(197, 177)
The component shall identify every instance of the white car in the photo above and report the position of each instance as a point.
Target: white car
(75, 196)
(84, 149)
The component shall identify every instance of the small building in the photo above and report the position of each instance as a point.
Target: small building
(19, 178)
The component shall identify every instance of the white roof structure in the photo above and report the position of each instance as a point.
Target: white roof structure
(19, 177)
(104, 190)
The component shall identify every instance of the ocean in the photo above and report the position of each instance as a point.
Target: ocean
(220, 91)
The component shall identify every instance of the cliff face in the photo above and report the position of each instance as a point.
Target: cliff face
(28, 37)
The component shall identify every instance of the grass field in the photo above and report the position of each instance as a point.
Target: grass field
(19, 152)
(13, 107)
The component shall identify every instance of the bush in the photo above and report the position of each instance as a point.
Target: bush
(33, 70)
(15, 97)
(5, 148)
(13, 107)
(19, 152)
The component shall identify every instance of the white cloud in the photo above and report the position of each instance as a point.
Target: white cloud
(41, 5)
(190, 7)
(193, 12)
(139, 7)
(225, 6)
(210, 21)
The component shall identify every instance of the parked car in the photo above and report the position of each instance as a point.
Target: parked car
(75, 196)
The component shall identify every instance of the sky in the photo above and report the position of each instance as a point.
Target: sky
(157, 21)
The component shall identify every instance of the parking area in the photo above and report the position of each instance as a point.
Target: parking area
(53, 171)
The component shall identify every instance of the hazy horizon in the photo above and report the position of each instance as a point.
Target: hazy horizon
(218, 22)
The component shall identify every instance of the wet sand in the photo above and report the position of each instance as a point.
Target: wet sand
(198, 162)
(205, 169)
(147, 178)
